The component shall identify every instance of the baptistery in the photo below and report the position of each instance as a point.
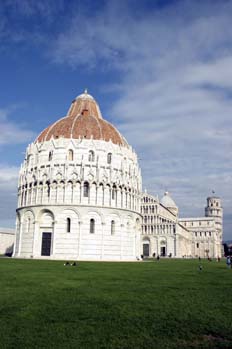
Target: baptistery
(79, 190)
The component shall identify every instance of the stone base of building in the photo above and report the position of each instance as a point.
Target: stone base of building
(77, 233)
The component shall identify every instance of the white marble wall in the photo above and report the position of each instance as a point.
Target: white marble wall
(206, 238)
(189, 237)
(52, 188)
(7, 237)
(123, 243)
(60, 180)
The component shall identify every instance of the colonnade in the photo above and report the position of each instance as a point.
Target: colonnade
(85, 193)
(158, 229)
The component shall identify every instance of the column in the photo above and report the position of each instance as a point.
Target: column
(121, 241)
(20, 237)
(102, 241)
(53, 243)
(35, 239)
(79, 239)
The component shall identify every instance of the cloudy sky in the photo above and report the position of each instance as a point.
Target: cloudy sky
(160, 70)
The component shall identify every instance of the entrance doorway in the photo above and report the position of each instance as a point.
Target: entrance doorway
(163, 251)
(46, 244)
(146, 250)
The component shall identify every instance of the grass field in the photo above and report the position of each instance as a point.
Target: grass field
(165, 304)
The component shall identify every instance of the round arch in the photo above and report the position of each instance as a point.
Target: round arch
(163, 246)
(90, 211)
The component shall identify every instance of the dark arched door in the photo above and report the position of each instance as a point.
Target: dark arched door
(46, 244)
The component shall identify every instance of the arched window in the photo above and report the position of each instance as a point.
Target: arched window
(114, 192)
(92, 226)
(50, 155)
(70, 155)
(48, 188)
(68, 225)
(109, 158)
(86, 190)
(28, 224)
(91, 155)
(112, 227)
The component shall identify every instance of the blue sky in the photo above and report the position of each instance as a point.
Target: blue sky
(160, 70)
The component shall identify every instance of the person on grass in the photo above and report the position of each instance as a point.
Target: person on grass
(228, 262)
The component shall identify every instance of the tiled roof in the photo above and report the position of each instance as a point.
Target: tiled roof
(84, 120)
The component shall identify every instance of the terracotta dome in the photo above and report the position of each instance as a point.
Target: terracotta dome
(84, 120)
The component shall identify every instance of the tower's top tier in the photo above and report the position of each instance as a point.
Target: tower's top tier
(213, 201)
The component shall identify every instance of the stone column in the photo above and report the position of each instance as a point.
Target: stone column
(17, 237)
(72, 192)
(19, 199)
(35, 247)
(23, 195)
(64, 186)
(134, 245)
(81, 189)
(20, 237)
(53, 242)
(124, 199)
(103, 195)
(110, 195)
(121, 240)
(52, 193)
(102, 241)
(79, 239)
(96, 193)
(90, 192)
(175, 245)
(42, 195)
(36, 193)
(116, 197)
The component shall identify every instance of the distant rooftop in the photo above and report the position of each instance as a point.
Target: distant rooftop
(196, 219)
(7, 231)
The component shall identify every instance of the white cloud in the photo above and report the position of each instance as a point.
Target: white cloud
(173, 100)
(8, 177)
(11, 132)
(175, 91)
(28, 8)
(27, 22)
(8, 194)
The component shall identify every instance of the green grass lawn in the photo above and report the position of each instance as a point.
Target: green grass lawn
(165, 304)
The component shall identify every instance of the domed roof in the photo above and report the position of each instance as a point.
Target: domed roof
(167, 201)
(84, 120)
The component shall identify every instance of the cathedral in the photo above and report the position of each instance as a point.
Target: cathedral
(165, 234)
(80, 198)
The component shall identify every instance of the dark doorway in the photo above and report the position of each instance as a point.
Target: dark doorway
(46, 244)
(163, 251)
(146, 250)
